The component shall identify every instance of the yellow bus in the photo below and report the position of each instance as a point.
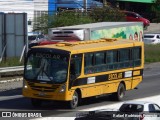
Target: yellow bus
(72, 71)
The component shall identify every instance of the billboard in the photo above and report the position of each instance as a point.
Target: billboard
(13, 34)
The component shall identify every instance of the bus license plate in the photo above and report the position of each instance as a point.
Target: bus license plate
(42, 94)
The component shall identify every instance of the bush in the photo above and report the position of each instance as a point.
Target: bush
(152, 53)
(12, 61)
(64, 18)
(68, 18)
(106, 13)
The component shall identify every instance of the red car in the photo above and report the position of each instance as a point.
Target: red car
(135, 17)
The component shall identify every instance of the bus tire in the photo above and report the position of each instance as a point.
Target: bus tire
(119, 95)
(75, 100)
(36, 102)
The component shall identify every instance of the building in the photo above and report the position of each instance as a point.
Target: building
(19, 6)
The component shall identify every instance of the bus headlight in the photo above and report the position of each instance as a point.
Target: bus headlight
(63, 88)
(24, 85)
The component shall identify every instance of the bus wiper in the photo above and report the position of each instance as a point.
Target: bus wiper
(43, 71)
(47, 75)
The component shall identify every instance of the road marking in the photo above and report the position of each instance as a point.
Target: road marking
(10, 97)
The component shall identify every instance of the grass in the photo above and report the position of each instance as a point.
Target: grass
(12, 61)
(152, 54)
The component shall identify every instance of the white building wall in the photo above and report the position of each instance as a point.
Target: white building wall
(40, 5)
(18, 6)
(33, 8)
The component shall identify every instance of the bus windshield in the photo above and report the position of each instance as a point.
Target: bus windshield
(46, 67)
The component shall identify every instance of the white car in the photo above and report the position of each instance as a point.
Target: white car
(141, 110)
(33, 37)
(152, 38)
(132, 110)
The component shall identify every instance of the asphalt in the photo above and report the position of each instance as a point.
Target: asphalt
(153, 28)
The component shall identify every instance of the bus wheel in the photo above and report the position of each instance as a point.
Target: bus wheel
(119, 95)
(36, 102)
(74, 102)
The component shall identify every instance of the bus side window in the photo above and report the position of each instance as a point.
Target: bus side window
(137, 56)
(124, 57)
(89, 62)
(100, 61)
(76, 63)
(112, 59)
(99, 58)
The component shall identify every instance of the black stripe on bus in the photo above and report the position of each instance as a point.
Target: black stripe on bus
(103, 78)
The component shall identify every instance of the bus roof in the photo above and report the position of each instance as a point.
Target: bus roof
(92, 45)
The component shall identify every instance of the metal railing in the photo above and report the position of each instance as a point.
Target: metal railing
(11, 69)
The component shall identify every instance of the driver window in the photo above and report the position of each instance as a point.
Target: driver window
(76, 63)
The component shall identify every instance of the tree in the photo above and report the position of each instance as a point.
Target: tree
(107, 13)
(67, 18)
(156, 9)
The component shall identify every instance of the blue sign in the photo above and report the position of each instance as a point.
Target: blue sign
(52, 7)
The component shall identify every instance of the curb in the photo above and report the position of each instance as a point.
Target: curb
(12, 80)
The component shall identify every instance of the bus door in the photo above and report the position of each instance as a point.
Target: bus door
(75, 68)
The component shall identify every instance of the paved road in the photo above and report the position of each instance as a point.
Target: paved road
(153, 28)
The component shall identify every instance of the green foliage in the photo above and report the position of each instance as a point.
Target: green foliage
(12, 61)
(106, 13)
(43, 23)
(152, 53)
(158, 2)
(67, 18)
(156, 9)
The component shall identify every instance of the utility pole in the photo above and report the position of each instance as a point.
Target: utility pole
(85, 5)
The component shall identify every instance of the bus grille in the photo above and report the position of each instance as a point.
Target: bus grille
(43, 88)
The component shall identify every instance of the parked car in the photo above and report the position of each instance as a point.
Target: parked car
(34, 38)
(152, 38)
(135, 17)
(132, 110)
